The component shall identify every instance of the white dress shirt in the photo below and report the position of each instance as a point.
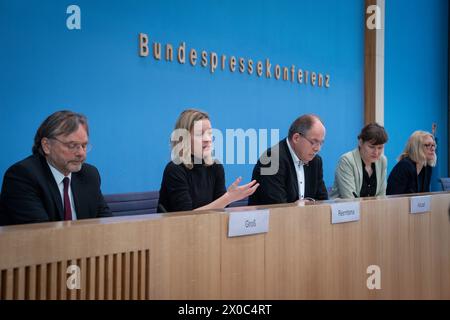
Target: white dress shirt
(59, 177)
(298, 164)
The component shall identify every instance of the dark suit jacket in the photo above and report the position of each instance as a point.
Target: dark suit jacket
(30, 193)
(282, 187)
(404, 179)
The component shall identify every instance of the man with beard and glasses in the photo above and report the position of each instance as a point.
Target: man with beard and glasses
(54, 183)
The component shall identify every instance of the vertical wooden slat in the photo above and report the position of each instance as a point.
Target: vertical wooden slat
(30, 283)
(96, 278)
(141, 275)
(16, 283)
(61, 292)
(147, 274)
(81, 295)
(109, 277)
(38, 282)
(1, 285)
(90, 278)
(87, 275)
(138, 274)
(99, 278)
(117, 273)
(48, 280)
(19, 283)
(105, 277)
(7, 284)
(133, 275)
(52, 281)
(126, 276)
(41, 288)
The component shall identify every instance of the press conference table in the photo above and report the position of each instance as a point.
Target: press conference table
(189, 255)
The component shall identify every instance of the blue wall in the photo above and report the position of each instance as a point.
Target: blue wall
(132, 102)
(416, 74)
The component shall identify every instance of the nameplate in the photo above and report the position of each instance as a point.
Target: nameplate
(345, 212)
(242, 223)
(420, 204)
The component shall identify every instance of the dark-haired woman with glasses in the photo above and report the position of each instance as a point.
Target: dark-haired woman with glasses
(412, 174)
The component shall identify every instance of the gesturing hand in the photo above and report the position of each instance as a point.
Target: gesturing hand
(236, 192)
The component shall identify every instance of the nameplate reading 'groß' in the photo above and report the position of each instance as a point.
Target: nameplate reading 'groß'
(243, 223)
(345, 212)
(420, 204)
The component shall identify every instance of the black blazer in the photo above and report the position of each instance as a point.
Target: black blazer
(282, 186)
(404, 179)
(30, 193)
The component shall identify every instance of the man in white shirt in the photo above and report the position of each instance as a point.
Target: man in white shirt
(298, 171)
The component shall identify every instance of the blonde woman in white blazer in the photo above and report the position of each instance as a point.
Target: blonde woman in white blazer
(362, 171)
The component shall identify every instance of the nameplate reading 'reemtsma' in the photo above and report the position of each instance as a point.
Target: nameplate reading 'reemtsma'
(345, 212)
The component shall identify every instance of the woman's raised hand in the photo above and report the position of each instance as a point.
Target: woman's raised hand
(237, 192)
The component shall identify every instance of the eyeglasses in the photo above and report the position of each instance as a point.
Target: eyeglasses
(430, 145)
(74, 146)
(314, 143)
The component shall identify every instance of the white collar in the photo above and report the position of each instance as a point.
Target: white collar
(297, 161)
(57, 174)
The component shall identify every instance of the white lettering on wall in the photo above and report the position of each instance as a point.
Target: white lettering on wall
(74, 20)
